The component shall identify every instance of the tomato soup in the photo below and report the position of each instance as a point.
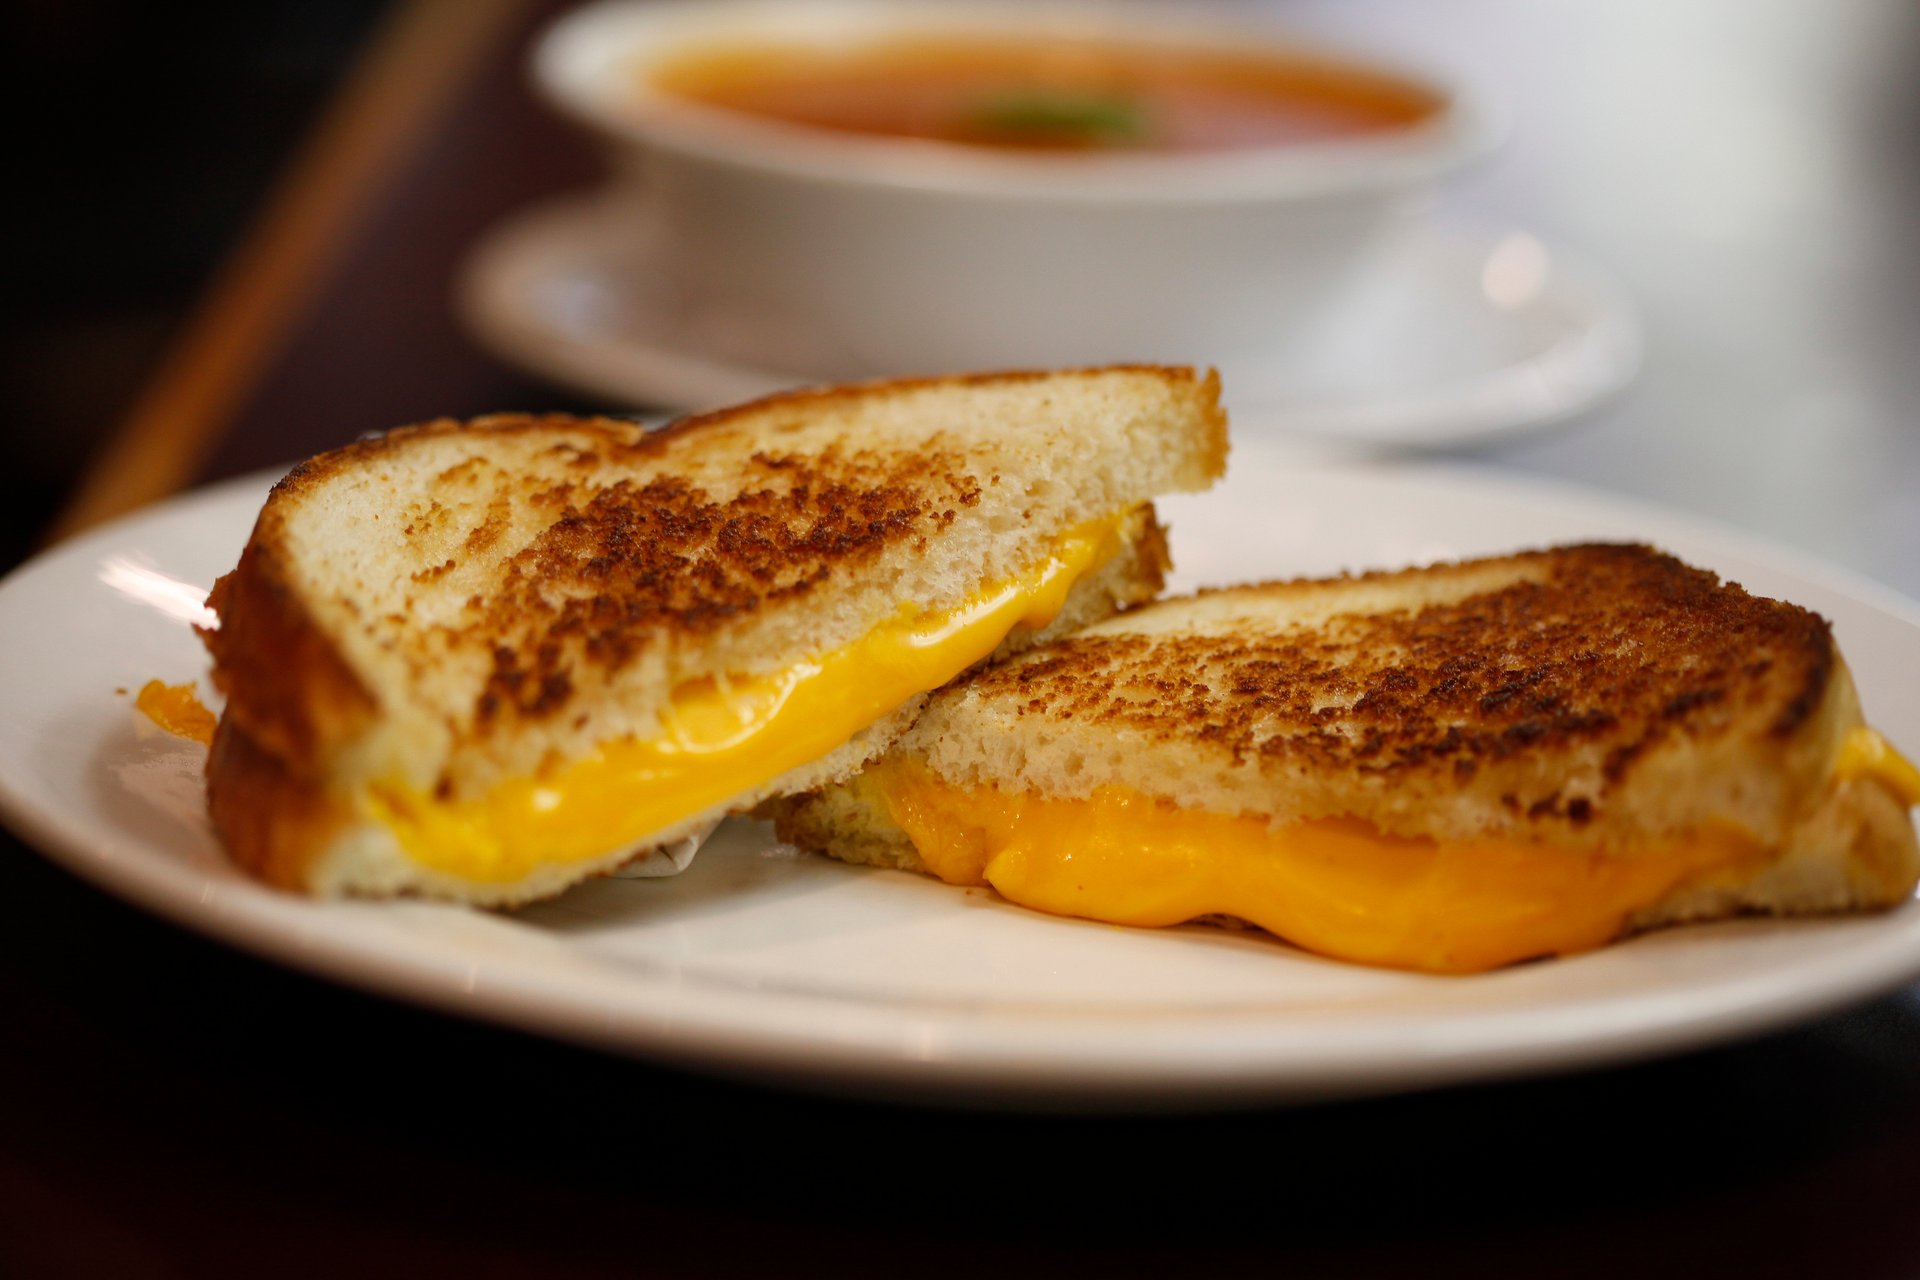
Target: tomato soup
(1047, 94)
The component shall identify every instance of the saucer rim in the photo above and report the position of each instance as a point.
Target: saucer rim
(1590, 365)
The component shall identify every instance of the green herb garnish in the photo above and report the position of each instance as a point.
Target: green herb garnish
(1059, 118)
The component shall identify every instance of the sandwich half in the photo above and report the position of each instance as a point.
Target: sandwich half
(481, 661)
(1445, 769)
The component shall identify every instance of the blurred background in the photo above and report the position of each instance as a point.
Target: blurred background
(1749, 173)
(150, 136)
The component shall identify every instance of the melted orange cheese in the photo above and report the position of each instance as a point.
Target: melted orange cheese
(177, 709)
(1334, 886)
(1865, 754)
(727, 735)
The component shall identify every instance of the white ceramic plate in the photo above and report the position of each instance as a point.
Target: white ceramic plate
(1454, 337)
(759, 962)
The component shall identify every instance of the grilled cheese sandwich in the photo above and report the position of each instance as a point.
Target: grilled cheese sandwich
(481, 661)
(1446, 770)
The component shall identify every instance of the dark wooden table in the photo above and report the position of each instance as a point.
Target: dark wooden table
(172, 1107)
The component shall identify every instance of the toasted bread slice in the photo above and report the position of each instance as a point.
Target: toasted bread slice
(481, 661)
(1553, 748)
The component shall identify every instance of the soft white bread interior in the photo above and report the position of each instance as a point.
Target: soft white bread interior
(1596, 700)
(455, 607)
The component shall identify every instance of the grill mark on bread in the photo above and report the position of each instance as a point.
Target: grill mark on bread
(485, 534)
(622, 566)
(1614, 646)
(635, 563)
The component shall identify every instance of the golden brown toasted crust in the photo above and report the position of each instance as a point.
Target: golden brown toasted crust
(1616, 644)
(270, 819)
(289, 697)
(285, 683)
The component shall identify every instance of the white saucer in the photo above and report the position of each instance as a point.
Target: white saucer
(1456, 336)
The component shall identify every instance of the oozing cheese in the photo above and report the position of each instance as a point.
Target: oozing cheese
(1865, 754)
(177, 709)
(1334, 886)
(727, 735)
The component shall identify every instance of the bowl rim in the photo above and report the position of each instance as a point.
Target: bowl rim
(577, 53)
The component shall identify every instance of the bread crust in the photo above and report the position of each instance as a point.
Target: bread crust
(274, 822)
(1209, 456)
(284, 681)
